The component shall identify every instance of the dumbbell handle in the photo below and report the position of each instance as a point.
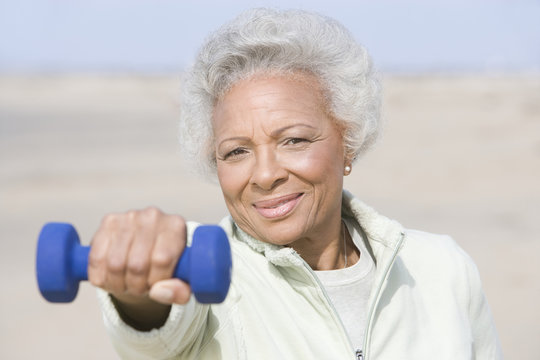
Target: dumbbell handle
(79, 262)
(81, 254)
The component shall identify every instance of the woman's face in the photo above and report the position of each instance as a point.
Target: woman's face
(280, 159)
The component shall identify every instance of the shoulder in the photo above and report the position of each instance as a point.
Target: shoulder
(427, 247)
(438, 262)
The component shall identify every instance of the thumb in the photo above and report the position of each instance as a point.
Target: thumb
(171, 291)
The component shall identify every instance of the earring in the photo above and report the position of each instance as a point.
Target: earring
(347, 170)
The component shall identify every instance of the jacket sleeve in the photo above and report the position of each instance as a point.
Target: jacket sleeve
(486, 342)
(179, 335)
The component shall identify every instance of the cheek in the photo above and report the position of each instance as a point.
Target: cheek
(232, 181)
(318, 165)
(226, 182)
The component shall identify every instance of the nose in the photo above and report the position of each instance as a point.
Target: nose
(268, 172)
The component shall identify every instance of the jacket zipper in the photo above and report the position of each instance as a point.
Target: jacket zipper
(364, 354)
(329, 303)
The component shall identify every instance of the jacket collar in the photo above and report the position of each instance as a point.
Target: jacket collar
(381, 233)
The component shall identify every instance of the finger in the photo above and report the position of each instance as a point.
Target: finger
(169, 245)
(171, 291)
(97, 260)
(122, 236)
(97, 267)
(138, 261)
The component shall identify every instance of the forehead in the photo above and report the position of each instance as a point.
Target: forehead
(276, 99)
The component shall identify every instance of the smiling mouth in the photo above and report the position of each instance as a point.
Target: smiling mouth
(278, 207)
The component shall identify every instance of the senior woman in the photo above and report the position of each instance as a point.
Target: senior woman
(278, 106)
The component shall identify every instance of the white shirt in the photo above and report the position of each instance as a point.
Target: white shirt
(349, 288)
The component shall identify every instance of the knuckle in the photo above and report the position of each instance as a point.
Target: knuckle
(116, 264)
(96, 273)
(132, 215)
(138, 266)
(95, 259)
(177, 223)
(163, 259)
(148, 217)
(152, 212)
(109, 220)
(96, 280)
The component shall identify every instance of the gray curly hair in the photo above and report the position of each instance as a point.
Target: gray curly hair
(280, 42)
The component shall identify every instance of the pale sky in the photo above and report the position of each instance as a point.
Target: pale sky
(163, 35)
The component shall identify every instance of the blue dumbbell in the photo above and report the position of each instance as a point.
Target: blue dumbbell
(61, 263)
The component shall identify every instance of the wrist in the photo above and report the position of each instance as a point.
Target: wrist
(140, 312)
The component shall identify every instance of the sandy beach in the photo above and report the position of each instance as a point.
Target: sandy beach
(460, 155)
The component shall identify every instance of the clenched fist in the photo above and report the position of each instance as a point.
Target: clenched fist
(133, 256)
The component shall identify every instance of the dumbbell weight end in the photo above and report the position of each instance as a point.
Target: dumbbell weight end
(61, 262)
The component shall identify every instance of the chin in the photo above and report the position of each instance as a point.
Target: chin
(280, 234)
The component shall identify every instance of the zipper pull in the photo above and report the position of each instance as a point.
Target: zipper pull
(359, 355)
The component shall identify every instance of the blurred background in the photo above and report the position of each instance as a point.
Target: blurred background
(88, 121)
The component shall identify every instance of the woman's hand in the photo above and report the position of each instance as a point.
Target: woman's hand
(133, 256)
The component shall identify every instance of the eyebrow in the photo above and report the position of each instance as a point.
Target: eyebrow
(274, 133)
(285, 128)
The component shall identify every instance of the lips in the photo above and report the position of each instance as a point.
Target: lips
(277, 207)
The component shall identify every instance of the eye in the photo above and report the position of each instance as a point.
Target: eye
(235, 153)
(294, 141)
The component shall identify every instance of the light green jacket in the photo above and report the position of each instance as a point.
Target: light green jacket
(426, 303)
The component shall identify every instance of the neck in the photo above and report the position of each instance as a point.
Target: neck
(328, 252)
